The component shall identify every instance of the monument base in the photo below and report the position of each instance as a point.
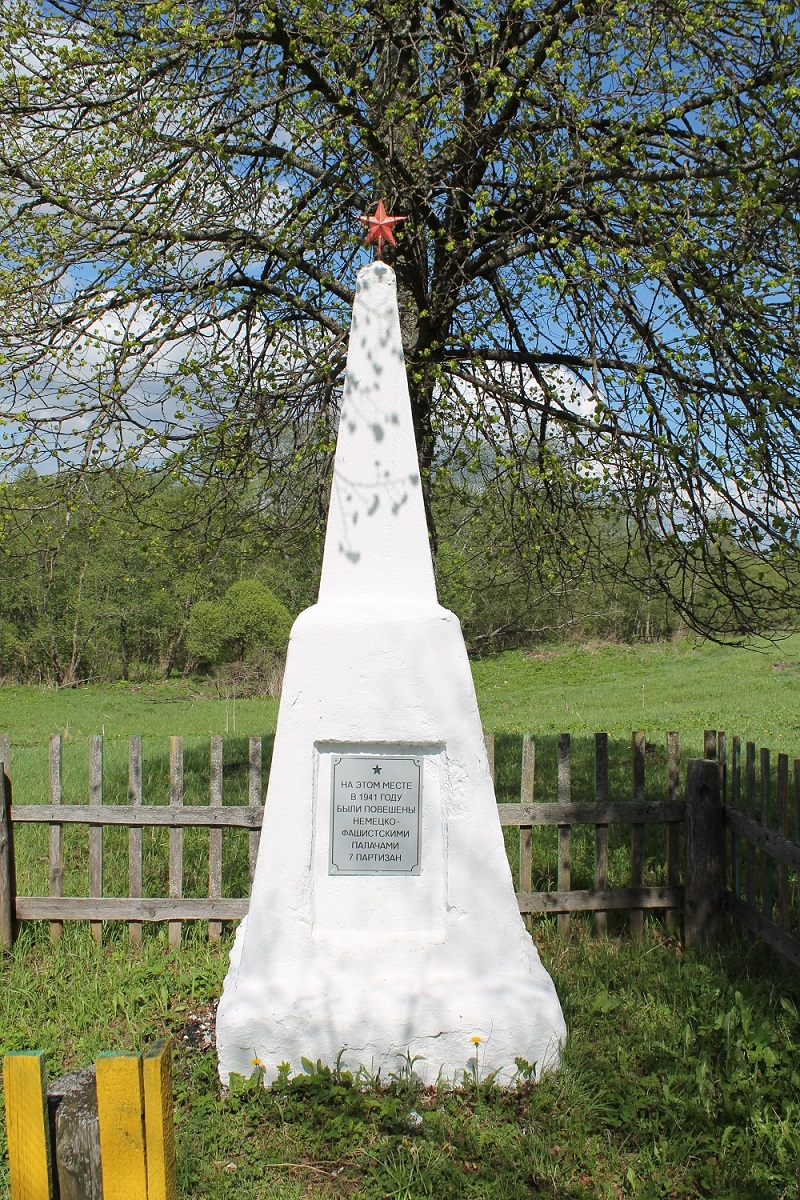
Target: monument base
(397, 956)
(382, 1010)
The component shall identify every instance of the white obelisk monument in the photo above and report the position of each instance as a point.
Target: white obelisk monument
(383, 922)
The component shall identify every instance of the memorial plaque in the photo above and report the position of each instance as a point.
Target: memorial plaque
(376, 807)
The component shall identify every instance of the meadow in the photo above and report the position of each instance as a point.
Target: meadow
(750, 690)
(681, 1075)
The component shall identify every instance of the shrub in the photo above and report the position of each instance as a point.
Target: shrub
(247, 618)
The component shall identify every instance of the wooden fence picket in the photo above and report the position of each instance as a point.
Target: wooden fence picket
(564, 881)
(159, 1123)
(601, 829)
(215, 836)
(736, 802)
(673, 915)
(488, 741)
(136, 799)
(30, 1163)
(175, 834)
(55, 881)
(766, 883)
(783, 827)
(96, 831)
(797, 836)
(120, 1112)
(638, 748)
(526, 794)
(255, 799)
(750, 812)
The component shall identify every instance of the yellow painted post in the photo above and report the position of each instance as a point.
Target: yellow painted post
(159, 1123)
(120, 1113)
(29, 1162)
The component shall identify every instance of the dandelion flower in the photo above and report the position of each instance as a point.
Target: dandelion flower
(476, 1040)
(256, 1062)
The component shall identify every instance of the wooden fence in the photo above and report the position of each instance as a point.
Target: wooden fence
(136, 816)
(763, 878)
(599, 812)
(754, 877)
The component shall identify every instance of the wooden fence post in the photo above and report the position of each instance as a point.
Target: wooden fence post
(159, 1123)
(29, 1160)
(75, 1136)
(120, 1110)
(564, 879)
(8, 878)
(704, 895)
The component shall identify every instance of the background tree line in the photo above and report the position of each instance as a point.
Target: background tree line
(137, 574)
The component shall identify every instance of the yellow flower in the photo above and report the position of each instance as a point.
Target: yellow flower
(476, 1041)
(256, 1062)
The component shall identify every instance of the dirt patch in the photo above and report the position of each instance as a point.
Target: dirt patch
(200, 1030)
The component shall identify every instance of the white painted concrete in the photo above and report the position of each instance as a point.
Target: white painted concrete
(371, 967)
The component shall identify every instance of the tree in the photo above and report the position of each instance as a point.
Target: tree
(249, 617)
(600, 198)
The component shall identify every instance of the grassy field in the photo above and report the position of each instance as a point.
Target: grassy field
(754, 692)
(680, 1080)
(680, 1077)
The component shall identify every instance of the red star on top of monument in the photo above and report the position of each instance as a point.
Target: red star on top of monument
(380, 228)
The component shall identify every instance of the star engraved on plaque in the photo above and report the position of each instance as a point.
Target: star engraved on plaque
(376, 808)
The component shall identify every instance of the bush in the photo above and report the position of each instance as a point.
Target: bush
(247, 618)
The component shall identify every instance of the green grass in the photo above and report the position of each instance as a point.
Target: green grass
(184, 707)
(680, 1079)
(752, 692)
(578, 689)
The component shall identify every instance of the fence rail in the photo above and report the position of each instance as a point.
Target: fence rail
(759, 888)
